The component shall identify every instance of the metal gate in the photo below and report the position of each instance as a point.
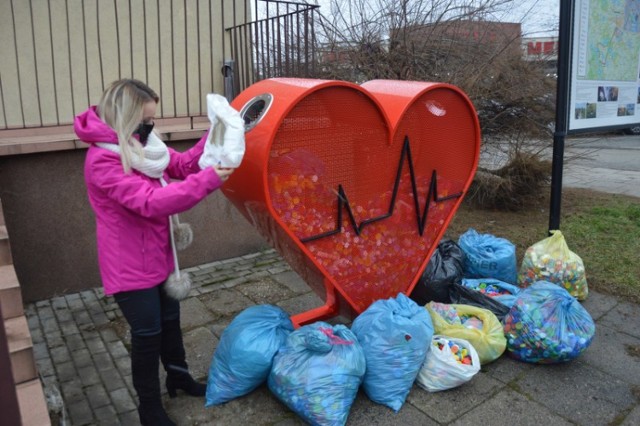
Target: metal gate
(280, 42)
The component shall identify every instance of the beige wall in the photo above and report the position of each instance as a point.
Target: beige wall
(59, 55)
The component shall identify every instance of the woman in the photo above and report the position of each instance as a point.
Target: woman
(127, 168)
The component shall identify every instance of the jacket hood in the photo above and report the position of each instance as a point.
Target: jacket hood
(90, 128)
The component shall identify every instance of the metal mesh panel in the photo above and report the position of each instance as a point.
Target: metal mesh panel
(338, 184)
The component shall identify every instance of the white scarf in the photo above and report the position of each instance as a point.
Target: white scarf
(155, 160)
(153, 164)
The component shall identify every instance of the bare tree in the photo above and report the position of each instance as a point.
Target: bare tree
(453, 41)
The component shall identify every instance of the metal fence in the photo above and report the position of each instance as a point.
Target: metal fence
(57, 56)
(281, 42)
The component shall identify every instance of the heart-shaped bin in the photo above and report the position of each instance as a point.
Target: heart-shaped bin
(336, 177)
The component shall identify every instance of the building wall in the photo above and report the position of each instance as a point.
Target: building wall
(497, 37)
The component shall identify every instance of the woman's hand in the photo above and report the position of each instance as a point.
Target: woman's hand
(223, 172)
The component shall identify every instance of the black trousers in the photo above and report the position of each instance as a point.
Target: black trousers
(147, 310)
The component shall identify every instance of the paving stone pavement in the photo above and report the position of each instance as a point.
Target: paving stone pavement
(82, 346)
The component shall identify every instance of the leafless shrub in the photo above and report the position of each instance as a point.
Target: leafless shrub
(517, 185)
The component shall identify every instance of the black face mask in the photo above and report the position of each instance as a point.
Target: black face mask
(143, 131)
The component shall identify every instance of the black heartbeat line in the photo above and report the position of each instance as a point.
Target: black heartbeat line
(421, 216)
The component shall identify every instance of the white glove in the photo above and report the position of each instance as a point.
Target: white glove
(225, 142)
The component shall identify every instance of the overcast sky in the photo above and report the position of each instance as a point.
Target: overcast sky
(539, 17)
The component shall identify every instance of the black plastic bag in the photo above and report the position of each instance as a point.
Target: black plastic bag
(462, 295)
(445, 267)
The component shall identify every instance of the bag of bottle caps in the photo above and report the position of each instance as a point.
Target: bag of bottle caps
(551, 260)
(395, 335)
(500, 291)
(318, 372)
(547, 325)
(445, 267)
(243, 358)
(488, 256)
(450, 363)
(478, 326)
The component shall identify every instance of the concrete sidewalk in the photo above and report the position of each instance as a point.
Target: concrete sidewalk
(608, 164)
(81, 345)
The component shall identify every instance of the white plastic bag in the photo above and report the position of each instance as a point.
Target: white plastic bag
(225, 142)
(441, 370)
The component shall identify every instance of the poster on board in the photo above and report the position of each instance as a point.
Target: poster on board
(605, 68)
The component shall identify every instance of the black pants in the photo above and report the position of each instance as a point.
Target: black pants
(154, 319)
(147, 310)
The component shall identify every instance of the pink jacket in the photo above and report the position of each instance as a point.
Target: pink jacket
(132, 210)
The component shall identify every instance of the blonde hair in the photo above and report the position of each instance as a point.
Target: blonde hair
(121, 107)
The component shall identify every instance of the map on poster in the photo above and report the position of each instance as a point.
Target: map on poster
(605, 72)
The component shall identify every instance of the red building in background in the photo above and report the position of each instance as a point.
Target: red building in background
(540, 48)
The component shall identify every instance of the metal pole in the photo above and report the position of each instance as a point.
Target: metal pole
(228, 71)
(562, 100)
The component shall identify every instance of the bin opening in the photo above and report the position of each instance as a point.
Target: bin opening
(254, 110)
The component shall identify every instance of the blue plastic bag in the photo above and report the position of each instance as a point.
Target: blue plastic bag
(490, 287)
(547, 325)
(243, 358)
(318, 372)
(395, 335)
(488, 256)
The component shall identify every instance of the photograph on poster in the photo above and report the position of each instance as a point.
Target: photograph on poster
(607, 93)
(601, 95)
(622, 110)
(580, 110)
(591, 110)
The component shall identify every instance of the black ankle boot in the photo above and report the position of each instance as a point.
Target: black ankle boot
(179, 378)
(145, 362)
(174, 360)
